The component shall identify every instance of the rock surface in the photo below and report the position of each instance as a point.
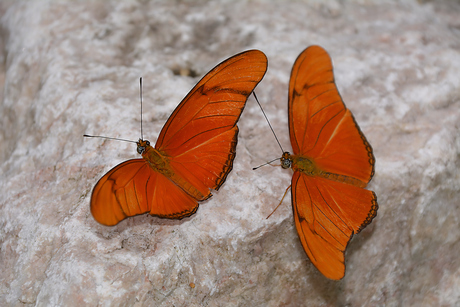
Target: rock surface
(70, 68)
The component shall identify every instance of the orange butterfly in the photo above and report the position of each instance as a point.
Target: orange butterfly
(194, 151)
(332, 163)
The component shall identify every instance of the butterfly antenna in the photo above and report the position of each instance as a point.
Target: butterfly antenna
(140, 84)
(106, 137)
(118, 139)
(273, 131)
(254, 168)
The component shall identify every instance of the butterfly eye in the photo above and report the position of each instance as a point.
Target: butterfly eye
(286, 163)
(142, 145)
(141, 149)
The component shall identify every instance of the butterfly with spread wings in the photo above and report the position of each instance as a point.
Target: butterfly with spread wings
(194, 151)
(332, 162)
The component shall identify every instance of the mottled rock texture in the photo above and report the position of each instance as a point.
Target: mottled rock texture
(69, 68)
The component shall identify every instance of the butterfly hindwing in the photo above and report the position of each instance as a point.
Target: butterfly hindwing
(327, 214)
(133, 188)
(110, 202)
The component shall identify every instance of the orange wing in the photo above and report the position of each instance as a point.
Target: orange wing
(320, 125)
(194, 152)
(200, 137)
(327, 214)
(133, 188)
(330, 204)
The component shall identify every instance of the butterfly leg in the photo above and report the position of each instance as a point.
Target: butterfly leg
(280, 201)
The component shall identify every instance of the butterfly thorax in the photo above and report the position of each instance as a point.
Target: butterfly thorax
(299, 163)
(156, 159)
(305, 165)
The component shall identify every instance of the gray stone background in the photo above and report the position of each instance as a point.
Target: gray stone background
(69, 68)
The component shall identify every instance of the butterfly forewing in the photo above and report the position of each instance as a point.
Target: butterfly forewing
(200, 137)
(218, 100)
(207, 165)
(320, 125)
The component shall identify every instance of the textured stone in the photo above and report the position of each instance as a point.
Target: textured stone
(69, 68)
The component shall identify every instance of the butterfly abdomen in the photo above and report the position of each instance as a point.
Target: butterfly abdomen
(309, 167)
(159, 162)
